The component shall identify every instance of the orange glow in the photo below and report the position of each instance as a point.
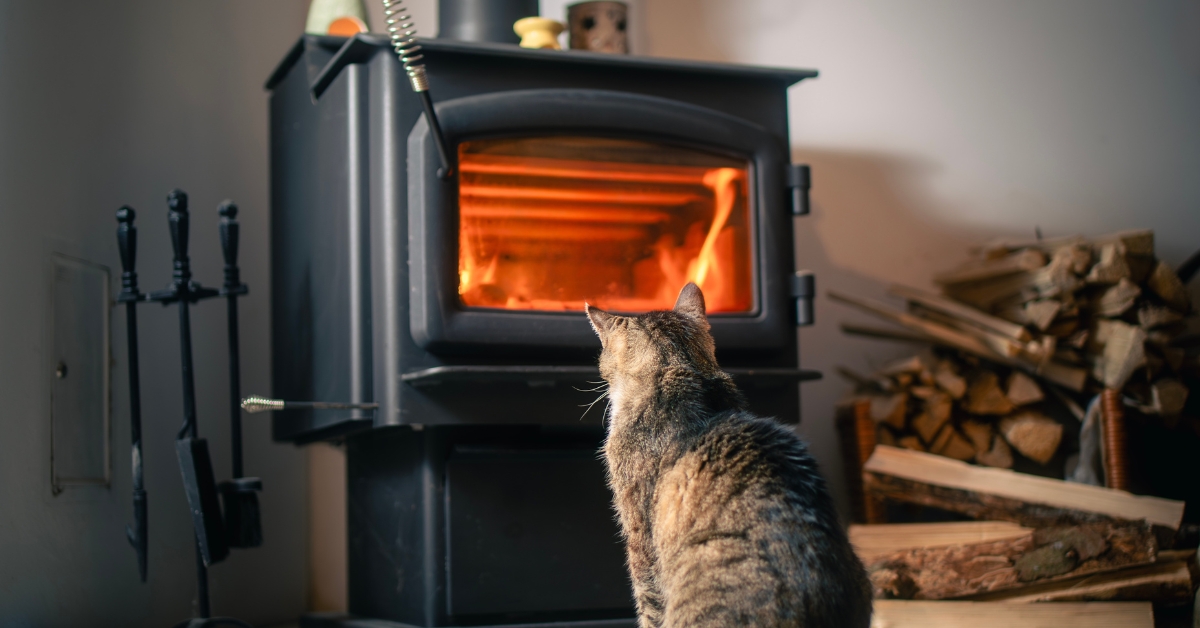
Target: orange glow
(549, 223)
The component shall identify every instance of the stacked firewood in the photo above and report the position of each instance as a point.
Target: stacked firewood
(1036, 539)
(1022, 327)
(961, 408)
(1080, 314)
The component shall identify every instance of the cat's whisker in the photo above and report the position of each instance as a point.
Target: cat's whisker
(591, 389)
(589, 406)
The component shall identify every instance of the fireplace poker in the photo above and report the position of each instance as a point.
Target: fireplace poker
(403, 33)
(129, 295)
(243, 520)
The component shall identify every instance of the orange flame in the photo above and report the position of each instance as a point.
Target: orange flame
(537, 233)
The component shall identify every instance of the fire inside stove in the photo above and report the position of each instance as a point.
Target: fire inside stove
(547, 223)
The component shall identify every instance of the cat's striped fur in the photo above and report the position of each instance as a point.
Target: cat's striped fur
(726, 519)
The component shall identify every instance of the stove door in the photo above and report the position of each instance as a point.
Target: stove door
(570, 196)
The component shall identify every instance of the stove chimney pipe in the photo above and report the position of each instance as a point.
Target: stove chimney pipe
(483, 20)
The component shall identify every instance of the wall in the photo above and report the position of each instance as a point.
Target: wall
(938, 124)
(107, 103)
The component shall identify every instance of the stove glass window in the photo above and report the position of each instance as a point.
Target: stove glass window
(547, 223)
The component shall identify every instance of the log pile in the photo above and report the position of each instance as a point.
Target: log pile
(960, 407)
(1038, 539)
(1080, 314)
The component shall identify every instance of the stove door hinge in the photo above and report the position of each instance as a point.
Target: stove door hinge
(799, 181)
(804, 290)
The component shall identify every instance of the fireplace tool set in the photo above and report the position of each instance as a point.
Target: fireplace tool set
(240, 526)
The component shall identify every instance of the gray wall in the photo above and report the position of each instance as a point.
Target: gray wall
(101, 104)
(939, 124)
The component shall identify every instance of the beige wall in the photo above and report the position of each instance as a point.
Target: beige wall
(101, 104)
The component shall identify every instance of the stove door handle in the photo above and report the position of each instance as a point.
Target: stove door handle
(799, 181)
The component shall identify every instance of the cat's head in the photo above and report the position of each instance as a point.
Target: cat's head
(639, 352)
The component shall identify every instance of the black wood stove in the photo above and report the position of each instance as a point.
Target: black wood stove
(476, 495)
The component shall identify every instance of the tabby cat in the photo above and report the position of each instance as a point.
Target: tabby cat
(725, 517)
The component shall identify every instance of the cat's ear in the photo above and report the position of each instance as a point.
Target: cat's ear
(601, 320)
(691, 302)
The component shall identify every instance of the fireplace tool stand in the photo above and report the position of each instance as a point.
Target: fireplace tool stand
(241, 526)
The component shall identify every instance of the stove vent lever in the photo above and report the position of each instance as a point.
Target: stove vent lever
(403, 33)
(799, 181)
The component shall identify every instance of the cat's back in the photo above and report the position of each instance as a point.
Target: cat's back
(747, 532)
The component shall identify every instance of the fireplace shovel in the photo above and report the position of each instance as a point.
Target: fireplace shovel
(243, 524)
(194, 462)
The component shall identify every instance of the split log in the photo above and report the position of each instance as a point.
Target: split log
(986, 295)
(999, 456)
(1166, 284)
(979, 433)
(975, 271)
(1046, 555)
(919, 614)
(906, 365)
(984, 395)
(1068, 376)
(951, 444)
(1033, 434)
(1112, 266)
(870, 331)
(1058, 277)
(967, 314)
(947, 378)
(1124, 352)
(1021, 390)
(1041, 313)
(1151, 316)
(1168, 582)
(891, 410)
(999, 494)
(911, 442)
(1118, 298)
(873, 541)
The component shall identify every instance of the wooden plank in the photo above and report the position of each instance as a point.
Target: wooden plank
(1163, 582)
(872, 541)
(936, 471)
(919, 614)
(963, 312)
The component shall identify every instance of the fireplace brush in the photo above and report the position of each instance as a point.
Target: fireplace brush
(403, 33)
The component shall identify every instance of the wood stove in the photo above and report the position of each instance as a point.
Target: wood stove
(475, 493)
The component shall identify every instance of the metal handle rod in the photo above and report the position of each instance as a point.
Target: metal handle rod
(177, 220)
(403, 33)
(254, 405)
(232, 288)
(127, 244)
